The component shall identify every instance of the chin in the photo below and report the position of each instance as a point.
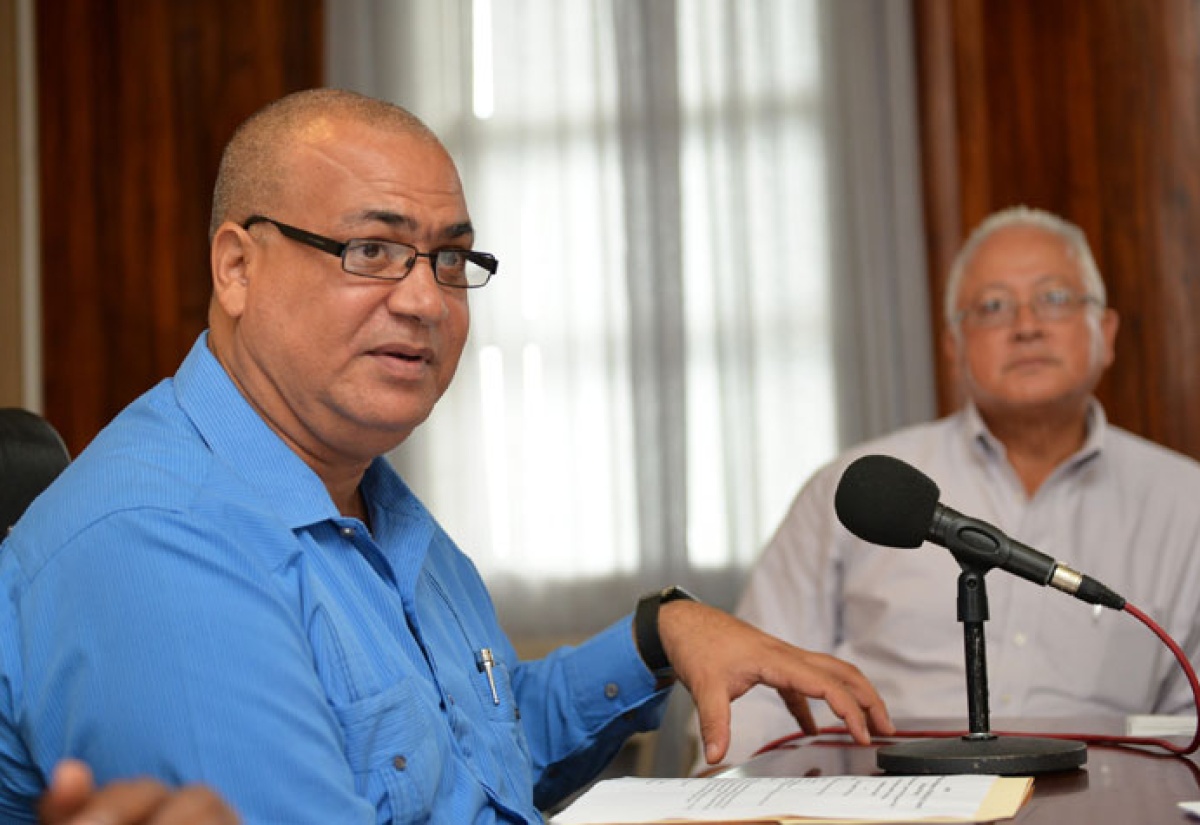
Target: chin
(1025, 405)
(385, 427)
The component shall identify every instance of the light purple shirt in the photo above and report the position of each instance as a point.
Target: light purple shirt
(1122, 510)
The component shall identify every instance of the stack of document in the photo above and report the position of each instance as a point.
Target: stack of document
(844, 799)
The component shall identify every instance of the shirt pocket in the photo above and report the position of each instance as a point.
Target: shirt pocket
(391, 740)
(396, 755)
(458, 641)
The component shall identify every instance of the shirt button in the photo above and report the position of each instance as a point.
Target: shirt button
(611, 690)
(1020, 639)
(399, 763)
(348, 532)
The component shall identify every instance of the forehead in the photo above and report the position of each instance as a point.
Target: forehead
(343, 171)
(1020, 258)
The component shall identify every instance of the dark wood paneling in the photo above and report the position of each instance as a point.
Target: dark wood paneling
(11, 322)
(1088, 108)
(136, 100)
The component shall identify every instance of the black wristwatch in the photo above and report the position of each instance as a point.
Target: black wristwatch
(645, 630)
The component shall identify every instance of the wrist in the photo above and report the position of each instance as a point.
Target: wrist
(646, 631)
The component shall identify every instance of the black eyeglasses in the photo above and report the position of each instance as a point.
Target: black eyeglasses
(391, 260)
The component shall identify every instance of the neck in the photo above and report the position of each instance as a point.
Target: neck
(1038, 442)
(348, 498)
(341, 473)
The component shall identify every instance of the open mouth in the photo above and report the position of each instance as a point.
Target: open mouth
(409, 355)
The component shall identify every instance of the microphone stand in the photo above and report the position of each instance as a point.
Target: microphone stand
(980, 751)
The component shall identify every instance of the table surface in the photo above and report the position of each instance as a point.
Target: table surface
(1116, 785)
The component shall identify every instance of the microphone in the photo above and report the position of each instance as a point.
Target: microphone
(883, 500)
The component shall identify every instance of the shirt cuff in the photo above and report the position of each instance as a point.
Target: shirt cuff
(608, 678)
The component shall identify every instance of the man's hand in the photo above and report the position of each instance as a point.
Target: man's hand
(73, 799)
(719, 657)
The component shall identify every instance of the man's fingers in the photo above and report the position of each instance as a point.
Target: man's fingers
(130, 801)
(843, 687)
(870, 703)
(798, 706)
(148, 802)
(719, 657)
(712, 708)
(880, 721)
(861, 694)
(72, 799)
(194, 805)
(844, 704)
(70, 785)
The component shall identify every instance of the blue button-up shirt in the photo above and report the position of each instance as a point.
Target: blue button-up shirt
(186, 602)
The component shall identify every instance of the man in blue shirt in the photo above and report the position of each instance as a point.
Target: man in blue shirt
(231, 585)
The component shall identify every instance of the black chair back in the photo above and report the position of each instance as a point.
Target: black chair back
(31, 456)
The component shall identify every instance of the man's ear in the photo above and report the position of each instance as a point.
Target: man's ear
(231, 257)
(952, 353)
(1110, 321)
(951, 342)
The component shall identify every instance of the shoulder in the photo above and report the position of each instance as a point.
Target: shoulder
(147, 462)
(1151, 463)
(932, 446)
(926, 445)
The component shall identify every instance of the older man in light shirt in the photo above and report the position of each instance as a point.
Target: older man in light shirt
(1031, 452)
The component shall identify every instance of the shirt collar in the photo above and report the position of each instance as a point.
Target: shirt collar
(983, 441)
(239, 437)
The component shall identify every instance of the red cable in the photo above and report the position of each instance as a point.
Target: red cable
(1188, 671)
(1089, 738)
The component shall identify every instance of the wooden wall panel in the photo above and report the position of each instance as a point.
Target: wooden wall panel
(1088, 108)
(136, 100)
(11, 348)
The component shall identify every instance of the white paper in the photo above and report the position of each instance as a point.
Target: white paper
(634, 800)
(1159, 725)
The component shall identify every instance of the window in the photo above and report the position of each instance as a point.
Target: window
(650, 376)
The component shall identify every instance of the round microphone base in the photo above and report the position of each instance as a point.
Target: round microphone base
(1002, 755)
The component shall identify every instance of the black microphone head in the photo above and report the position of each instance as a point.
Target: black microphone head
(884, 501)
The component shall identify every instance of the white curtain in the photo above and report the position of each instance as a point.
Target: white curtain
(707, 218)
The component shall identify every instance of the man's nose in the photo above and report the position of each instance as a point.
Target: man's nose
(418, 293)
(1025, 318)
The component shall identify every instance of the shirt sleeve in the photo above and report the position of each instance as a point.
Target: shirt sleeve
(580, 704)
(20, 785)
(155, 646)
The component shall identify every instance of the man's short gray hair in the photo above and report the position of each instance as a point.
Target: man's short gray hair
(1093, 284)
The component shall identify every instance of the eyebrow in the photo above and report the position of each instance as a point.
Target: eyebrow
(1050, 278)
(399, 220)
